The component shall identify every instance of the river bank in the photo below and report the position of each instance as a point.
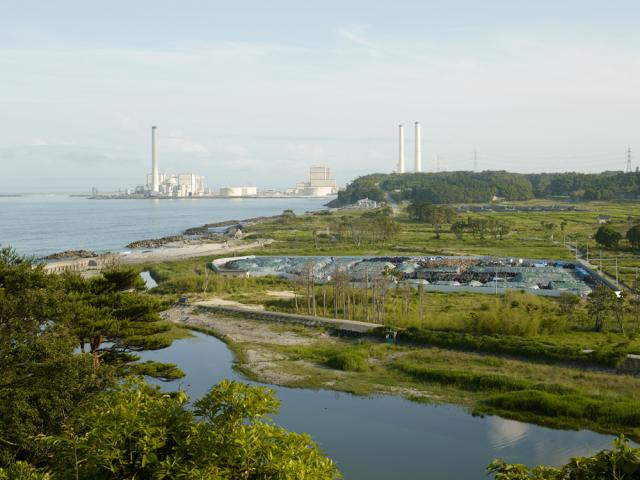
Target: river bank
(301, 357)
(382, 437)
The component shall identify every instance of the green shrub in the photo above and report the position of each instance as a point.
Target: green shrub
(621, 463)
(511, 345)
(350, 361)
(473, 381)
(573, 406)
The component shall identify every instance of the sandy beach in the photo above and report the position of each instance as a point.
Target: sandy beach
(165, 253)
(180, 252)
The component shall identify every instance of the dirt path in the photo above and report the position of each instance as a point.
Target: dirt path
(254, 338)
(260, 354)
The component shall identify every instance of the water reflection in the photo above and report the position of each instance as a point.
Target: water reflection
(505, 433)
(387, 437)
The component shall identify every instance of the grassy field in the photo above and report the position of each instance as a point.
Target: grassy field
(528, 238)
(517, 355)
(516, 314)
(549, 394)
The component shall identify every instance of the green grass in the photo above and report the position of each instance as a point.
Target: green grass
(473, 381)
(540, 348)
(564, 409)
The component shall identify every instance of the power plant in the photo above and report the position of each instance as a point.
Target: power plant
(417, 149)
(189, 185)
(179, 185)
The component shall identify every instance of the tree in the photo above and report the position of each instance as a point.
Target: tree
(601, 302)
(41, 382)
(61, 417)
(621, 463)
(109, 316)
(549, 227)
(458, 228)
(619, 307)
(607, 236)
(136, 431)
(436, 215)
(633, 236)
(43, 319)
(568, 303)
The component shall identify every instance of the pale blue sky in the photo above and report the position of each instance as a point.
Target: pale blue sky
(256, 92)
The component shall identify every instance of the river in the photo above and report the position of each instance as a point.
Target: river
(43, 224)
(385, 437)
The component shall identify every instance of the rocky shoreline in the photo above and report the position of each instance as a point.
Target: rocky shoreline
(71, 254)
(191, 237)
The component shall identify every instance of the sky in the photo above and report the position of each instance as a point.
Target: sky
(256, 92)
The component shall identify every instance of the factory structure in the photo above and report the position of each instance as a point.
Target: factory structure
(171, 185)
(238, 192)
(189, 185)
(177, 185)
(320, 184)
(417, 149)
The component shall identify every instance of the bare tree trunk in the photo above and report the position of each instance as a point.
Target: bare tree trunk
(324, 301)
(366, 295)
(313, 292)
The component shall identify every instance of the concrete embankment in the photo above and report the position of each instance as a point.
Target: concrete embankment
(347, 326)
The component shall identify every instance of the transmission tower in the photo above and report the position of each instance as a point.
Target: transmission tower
(628, 160)
(475, 160)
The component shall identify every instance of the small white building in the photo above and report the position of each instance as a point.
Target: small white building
(365, 204)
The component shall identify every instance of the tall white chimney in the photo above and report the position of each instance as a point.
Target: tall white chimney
(401, 152)
(155, 178)
(418, 166)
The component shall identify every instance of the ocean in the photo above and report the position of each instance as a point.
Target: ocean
(42, 224)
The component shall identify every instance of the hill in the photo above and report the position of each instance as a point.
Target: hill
(480, 187)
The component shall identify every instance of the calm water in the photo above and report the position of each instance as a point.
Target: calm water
(43, 224)
(388, 437)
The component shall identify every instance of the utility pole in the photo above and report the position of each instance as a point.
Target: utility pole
(628, 160)
(600, 260)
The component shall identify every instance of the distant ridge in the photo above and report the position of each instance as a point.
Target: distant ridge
(482, 187)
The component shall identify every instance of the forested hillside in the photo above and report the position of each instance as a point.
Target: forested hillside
(478, 187)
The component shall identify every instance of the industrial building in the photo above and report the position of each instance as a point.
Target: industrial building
(320, 184)
(488, 275)
(238, 192)
(178, 185)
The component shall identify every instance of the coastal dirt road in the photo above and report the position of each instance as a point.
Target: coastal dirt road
(89, 266)
(168, 253)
